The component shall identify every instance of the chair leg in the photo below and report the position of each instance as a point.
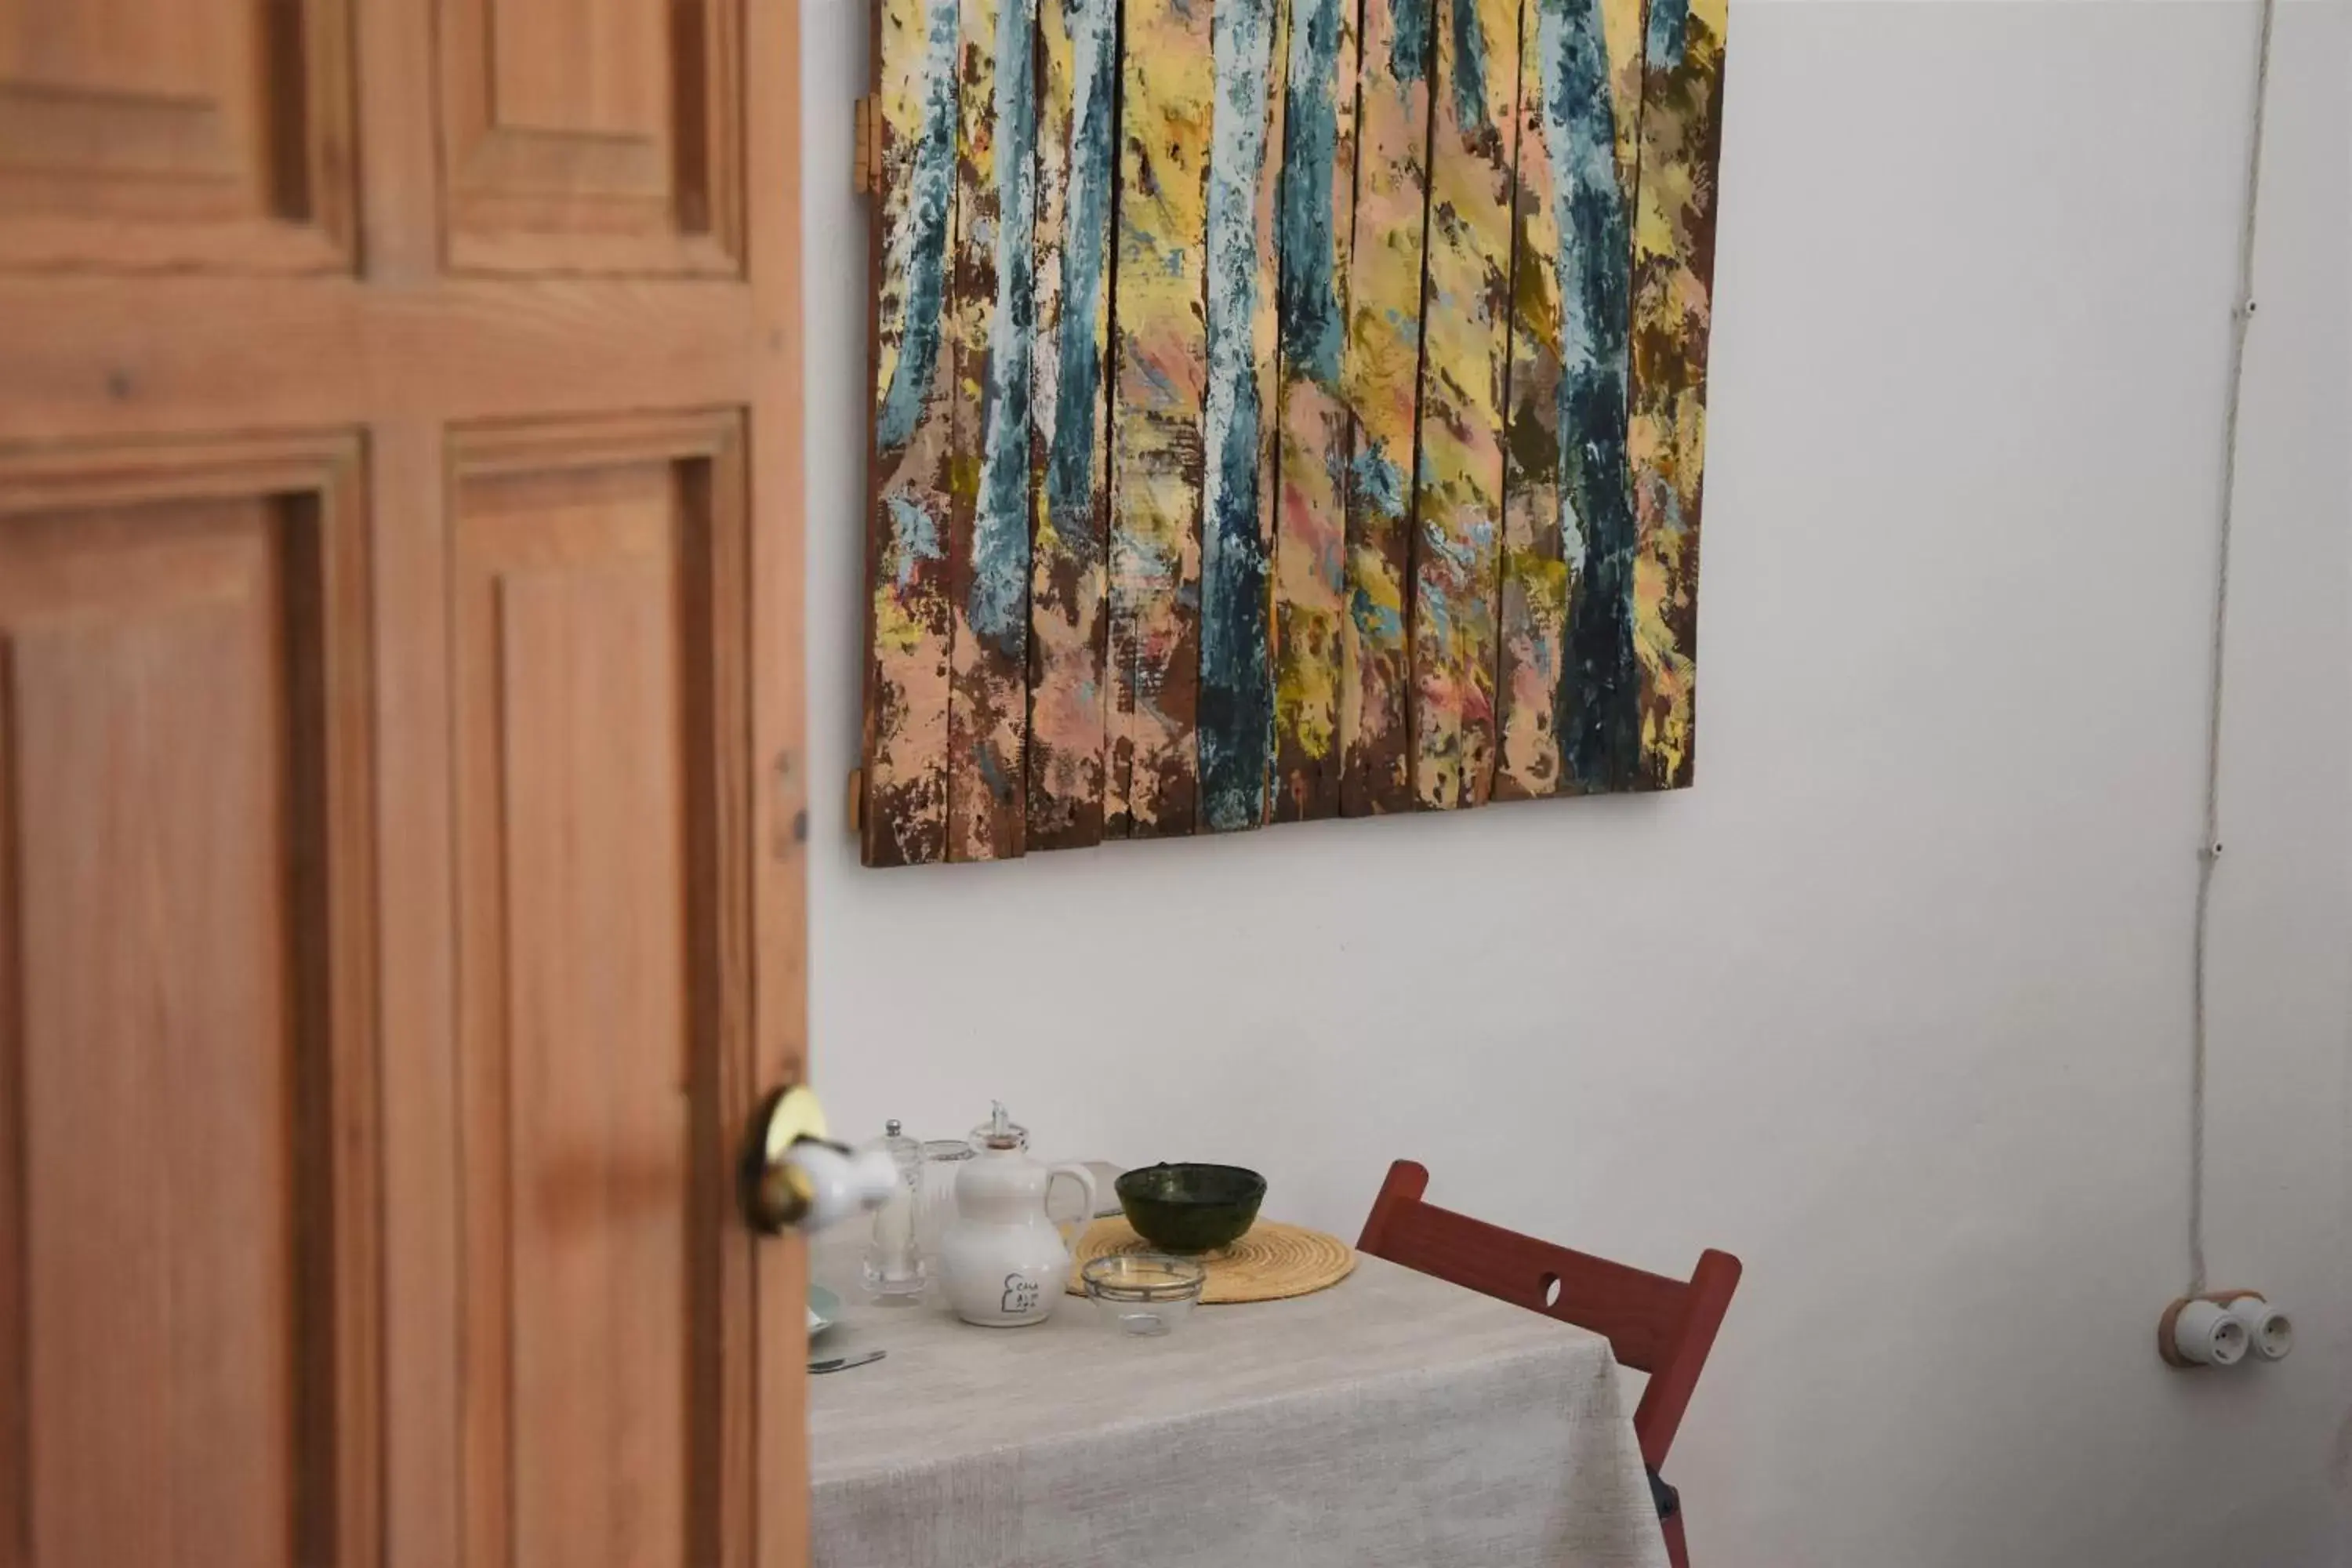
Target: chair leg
(1676, 1553)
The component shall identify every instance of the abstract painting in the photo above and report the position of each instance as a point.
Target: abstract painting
(1282, 409)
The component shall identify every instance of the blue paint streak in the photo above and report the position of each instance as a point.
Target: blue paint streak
(998, 604)
(1379, 481)
(1469, 67)
(1669, 30)
(930, 203)
(1597, 702)
(1313, 332)
(1375, 621)
(914, 539)
(1409, 58)
(1070, 471)
(992, 776)
(1236, 705)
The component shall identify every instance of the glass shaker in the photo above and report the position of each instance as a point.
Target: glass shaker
(895, 1268)
(943, 1161)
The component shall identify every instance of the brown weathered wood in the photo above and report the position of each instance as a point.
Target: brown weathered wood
(1069, 605)
(1165, 105)
(1372, 547)
(1310, 564)
(1531, 616)
(1565, 491)
(1465, 335)
(1383, 375)
(988, 485)
(910, 625)
(1673, 278)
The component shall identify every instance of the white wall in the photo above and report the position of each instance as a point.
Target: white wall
(1893, 1003)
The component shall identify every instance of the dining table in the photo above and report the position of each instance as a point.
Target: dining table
(1394, 1420)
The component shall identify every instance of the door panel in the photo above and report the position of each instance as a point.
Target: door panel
(161, 133)
(189, 1073)
(400, 903)
(599, 1285)
(592, 135)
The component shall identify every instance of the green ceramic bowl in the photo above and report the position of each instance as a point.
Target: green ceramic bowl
(1192, 1208)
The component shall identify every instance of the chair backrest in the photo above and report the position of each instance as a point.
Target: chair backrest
(1661, 1326)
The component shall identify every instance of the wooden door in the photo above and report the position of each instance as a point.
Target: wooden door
(400, 824)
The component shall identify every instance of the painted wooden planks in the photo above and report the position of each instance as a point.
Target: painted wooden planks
(988, 539)
(1465, 365)
(1167, 82)
(1393, 70)
(1310, 568)
(1069, 612)
(1531, 612)
(1238, 426)
(1621, 31)
(1335, 449)
(1565, 486)
(905, 815)
(1673, 273)
(1598, 709)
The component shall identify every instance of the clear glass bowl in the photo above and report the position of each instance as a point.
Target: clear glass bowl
(1144, 1293)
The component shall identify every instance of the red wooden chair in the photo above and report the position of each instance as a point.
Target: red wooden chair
(1661, 1326)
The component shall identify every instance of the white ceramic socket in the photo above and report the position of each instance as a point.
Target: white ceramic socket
(2270, 1333)
(2208, 1335)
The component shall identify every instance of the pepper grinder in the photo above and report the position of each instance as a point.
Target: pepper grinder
(895, 1270)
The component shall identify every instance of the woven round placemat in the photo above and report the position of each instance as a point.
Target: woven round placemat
(1273, 1262)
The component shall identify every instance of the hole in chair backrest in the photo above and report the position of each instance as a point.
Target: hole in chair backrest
(1551, 1283)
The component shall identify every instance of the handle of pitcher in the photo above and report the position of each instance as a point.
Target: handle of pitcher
(1086, 1180)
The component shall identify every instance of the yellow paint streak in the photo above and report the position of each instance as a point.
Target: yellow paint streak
(1622, 26)
(1667, 436)
(1056, 91)
(896, 631)
(906, 693)
(1307, 670)
(1465, 323)
(1532, 618)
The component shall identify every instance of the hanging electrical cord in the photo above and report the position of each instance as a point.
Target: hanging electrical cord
(2209, 851)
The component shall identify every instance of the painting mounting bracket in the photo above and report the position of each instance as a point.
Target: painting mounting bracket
(863, 174)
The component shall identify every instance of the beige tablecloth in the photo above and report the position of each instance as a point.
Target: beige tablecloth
(1394, 1421)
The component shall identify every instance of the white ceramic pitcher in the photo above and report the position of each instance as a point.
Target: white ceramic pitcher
(1001, 1259)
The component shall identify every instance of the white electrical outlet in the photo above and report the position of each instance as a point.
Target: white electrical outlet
(2222, 1329)
(2198, 1332)
(2270, 1333)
